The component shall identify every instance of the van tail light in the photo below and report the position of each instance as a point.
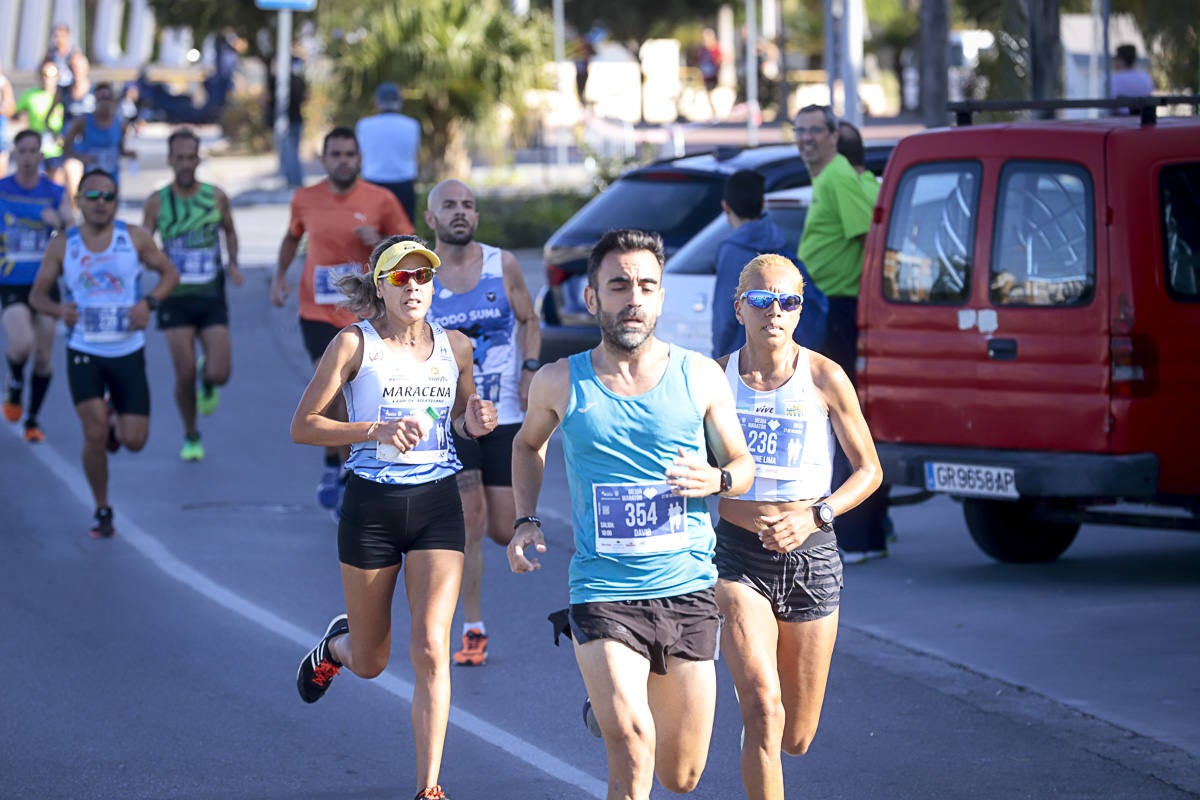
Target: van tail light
(1133, 363)
(555, 275)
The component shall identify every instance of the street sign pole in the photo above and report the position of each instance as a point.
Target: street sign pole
(283, 61)
(283, 77)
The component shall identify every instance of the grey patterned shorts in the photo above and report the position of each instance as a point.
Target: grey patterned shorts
(802, 585)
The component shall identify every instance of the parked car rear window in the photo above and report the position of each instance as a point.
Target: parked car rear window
(931, 234)
(670, 207)
(1179, 199)
(1044, 251)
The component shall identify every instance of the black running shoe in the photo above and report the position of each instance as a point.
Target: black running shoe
(103, 528)
(432, 793)
(319, 667)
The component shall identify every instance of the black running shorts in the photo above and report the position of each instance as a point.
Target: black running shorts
(317, 336)
(380, 522)
(492, 454)
(190, 311)
(124, 377)
(686, 626)
(18, 294)
(802, 585)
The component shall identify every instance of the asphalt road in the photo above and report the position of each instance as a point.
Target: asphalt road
(161, 664)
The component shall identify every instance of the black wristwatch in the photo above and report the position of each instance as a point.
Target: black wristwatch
(151, 302)
(726, 482)
(521, 521)
(531, 364)
(823, 514)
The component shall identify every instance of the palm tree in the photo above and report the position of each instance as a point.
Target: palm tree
(457, 61)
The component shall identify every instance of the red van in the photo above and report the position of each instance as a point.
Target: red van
(1030, 324)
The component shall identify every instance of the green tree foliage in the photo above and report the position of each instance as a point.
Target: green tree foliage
(210, 16)
(457, 61)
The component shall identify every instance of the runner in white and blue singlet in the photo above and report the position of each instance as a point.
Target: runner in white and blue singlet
(407, 384)
(636, 415)
(777, 556)
(479, 290)
(100, 263)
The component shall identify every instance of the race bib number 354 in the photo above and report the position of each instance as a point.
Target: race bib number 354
(639, 518)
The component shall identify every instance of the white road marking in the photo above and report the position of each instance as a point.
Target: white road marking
(156, 552)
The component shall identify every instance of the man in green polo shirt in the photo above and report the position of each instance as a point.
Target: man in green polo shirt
(831, 246)
(835, 229)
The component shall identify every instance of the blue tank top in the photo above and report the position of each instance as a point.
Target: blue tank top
(25, 235)
(103, 144)
(486, 317)
(634, 539)
(105, 286)
(788, 433)
(386, 389)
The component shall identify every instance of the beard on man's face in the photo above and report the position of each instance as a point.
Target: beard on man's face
(615, 332)
(457, 232)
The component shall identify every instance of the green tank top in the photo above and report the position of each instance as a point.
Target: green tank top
(190, 231)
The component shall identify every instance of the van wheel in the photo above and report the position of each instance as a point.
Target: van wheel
(1014, 532)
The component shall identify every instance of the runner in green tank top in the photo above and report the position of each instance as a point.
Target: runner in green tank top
(188, 216)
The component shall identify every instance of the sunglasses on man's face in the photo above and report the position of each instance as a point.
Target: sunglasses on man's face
(761, 298)
(399, 277)
(96, 194)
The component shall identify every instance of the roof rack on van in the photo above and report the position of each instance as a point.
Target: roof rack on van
(1144, 107)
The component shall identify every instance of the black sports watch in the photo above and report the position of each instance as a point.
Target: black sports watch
(823, 514)
(523, 520)
(726, 482)
(531, 364)
(151, 302)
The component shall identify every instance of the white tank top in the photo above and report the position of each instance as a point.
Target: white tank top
(788, 433)
(386, 389)
(105, 286)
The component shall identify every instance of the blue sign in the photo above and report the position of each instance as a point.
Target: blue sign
(286, 5)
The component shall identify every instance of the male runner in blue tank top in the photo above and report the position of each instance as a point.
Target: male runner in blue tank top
(480, 291)
(96, 140)
(101, 264)
(34, 208)
(636, 414)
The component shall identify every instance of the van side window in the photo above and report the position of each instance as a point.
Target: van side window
(1179, 199)
(931, 234)
(1043, 252)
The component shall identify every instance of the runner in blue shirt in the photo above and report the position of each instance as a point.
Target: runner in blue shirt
(34, 208)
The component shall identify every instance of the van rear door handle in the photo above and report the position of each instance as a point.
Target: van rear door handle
(1002, 349)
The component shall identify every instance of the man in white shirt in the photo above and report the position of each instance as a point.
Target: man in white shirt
(389, 142)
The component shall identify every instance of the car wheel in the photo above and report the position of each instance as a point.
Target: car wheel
(1016, 533)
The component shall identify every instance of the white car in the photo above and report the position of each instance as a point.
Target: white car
(689, 275)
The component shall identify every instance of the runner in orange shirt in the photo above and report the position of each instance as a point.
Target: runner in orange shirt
(344, 218)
